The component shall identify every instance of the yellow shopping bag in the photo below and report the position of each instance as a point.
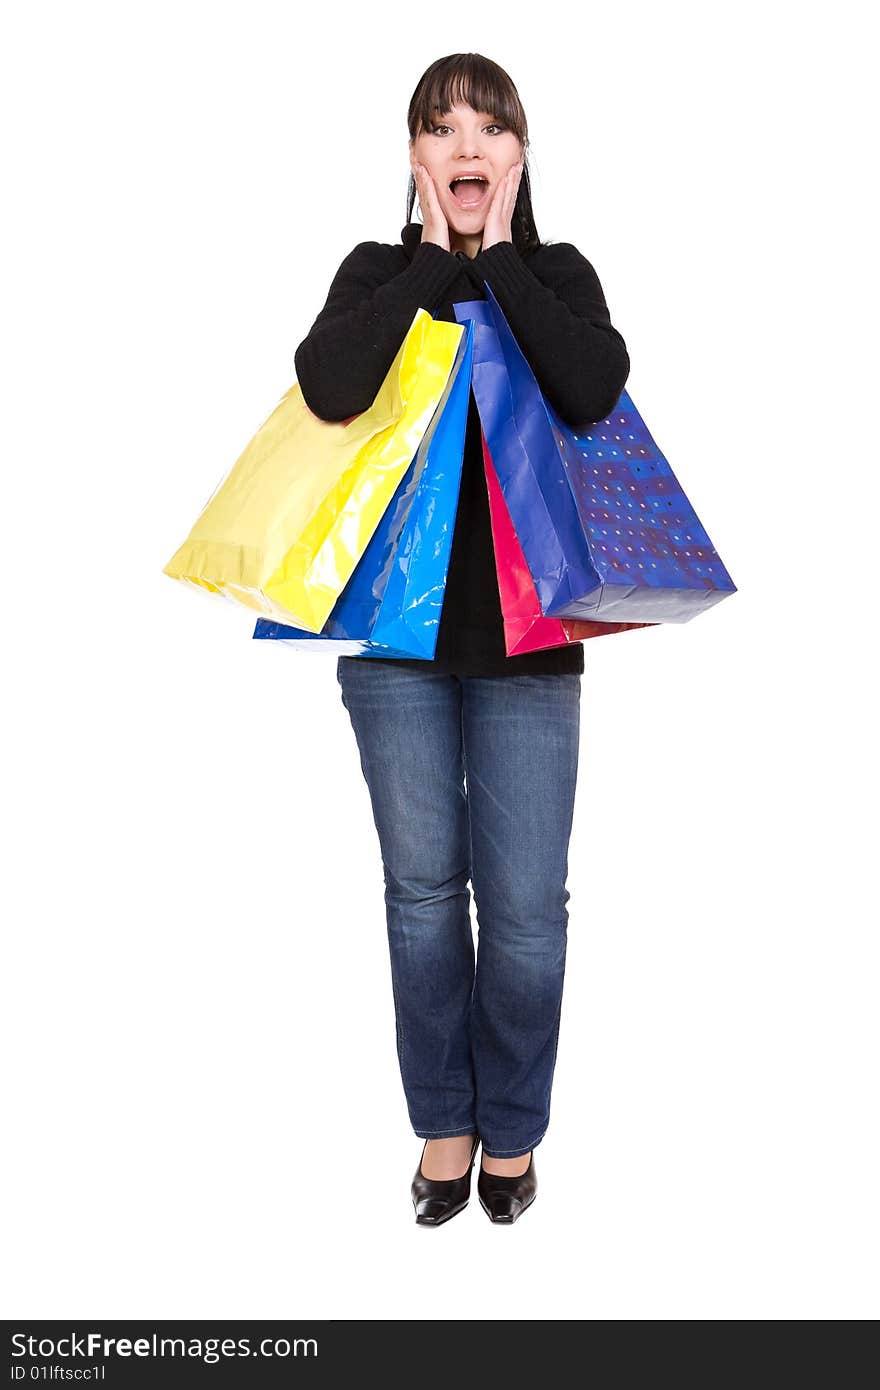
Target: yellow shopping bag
(283, 532)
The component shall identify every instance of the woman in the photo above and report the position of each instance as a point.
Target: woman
(471, 758)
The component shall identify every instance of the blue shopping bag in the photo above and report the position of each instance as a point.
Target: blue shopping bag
(391, 605)
(607, 532)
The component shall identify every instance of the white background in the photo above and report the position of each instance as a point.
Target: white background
(205, 1113)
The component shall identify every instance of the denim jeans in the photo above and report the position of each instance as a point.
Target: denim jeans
(472, 779)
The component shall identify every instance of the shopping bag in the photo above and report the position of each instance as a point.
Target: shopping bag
(392, 603)
(605, 528)
(283, 532)
(525, 627)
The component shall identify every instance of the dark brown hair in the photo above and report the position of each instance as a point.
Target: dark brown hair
(471, 79)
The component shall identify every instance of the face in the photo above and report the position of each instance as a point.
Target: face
(465, 141)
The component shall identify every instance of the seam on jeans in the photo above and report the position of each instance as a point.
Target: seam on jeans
(467, 782)
(397, 1019)
(558, 1023)
(445, 1133)
(512, 1153)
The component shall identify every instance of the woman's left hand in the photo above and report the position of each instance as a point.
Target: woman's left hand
(500, 214)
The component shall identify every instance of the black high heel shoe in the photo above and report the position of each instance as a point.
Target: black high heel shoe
(437, 1200)
(505, 1199)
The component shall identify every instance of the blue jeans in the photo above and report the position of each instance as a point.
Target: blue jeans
(472, 778)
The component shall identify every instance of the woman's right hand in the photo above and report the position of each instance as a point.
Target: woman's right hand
(435, 227)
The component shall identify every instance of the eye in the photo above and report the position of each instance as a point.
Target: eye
(493, 125)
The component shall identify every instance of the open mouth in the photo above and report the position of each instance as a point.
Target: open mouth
(469, 192)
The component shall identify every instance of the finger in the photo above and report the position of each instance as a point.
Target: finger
(433, 191)
(509, 195)
(431, 196)
(514, 185)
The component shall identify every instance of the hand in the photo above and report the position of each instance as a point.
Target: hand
(500, 214)
(435, 227)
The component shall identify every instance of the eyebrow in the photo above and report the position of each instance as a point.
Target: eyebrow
(439, 116)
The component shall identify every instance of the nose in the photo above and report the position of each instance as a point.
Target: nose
(468, 147)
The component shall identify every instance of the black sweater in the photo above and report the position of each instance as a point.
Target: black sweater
(554, 304)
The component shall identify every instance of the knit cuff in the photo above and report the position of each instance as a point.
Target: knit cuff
(505, 270)
(431, 270)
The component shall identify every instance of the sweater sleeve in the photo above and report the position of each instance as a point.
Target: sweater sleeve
(349, 349)
(557, 312)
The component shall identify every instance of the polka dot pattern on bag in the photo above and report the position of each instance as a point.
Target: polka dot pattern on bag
(630, 501)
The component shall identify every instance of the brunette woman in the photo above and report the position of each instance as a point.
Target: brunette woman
(471, 758)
